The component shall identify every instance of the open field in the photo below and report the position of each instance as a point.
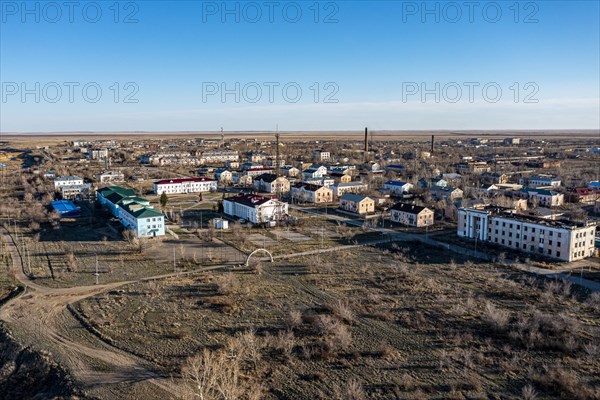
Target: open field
(45, 138)
(400, 323)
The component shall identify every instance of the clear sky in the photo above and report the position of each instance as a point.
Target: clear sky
(387, 65)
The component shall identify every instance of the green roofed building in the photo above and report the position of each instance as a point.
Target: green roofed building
(135, 213)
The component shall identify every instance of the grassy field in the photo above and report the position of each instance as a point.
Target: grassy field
(385, 323)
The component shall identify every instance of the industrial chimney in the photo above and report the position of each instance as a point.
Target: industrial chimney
(432, 141)
(366, 144)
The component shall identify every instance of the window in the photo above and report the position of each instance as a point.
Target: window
(525, 229)
(558, 254)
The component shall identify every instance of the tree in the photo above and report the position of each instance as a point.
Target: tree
(164, 199)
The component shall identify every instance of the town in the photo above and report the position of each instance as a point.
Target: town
(231, 214)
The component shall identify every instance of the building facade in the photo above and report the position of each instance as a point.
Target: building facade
(185, 185)
(412, 215)
(357, 204)
(558, 239)
(256, 209)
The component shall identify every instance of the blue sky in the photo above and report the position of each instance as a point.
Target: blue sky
(371, 62)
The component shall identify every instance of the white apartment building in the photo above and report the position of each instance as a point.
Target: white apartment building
(559, 239)
(398, 187)
(218, 156)
(111, 176)
(544, 197)
(541, 181)
(256, 209)
(185, 185)
(67, 181)
(321, 155)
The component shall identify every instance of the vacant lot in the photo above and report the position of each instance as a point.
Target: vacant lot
(382, 323)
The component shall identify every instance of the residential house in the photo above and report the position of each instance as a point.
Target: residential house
(446, 193)
(288, 170)
(67, 181)
(473, 167)
(411, 215)
(75, 192)
(357, 204)
(111, 177)
(453, 179)
(397, 188)
(256, 209)
(185, 185)
(308, 193)
(321, 155)
(540, 181)
(493, 178)
(271, 183)
(544, 197)
(584, 195)
(559, 239)
(340, 177)
(348, 187)
(426, 183)
(326, 181)
(315, 171)
(223, 176)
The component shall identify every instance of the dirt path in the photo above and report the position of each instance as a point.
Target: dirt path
(35, 314)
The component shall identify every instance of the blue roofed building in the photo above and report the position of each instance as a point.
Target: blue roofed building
(66, 209)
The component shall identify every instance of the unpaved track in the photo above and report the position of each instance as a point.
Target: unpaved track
(35, 314)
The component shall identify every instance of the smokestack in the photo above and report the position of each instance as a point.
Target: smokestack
(432, 141)
(366, 143)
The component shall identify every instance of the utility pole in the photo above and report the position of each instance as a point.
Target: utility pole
(97, 274)
(174, 262)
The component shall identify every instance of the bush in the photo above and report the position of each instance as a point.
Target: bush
(496, 318)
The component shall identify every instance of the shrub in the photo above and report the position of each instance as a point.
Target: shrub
(496, 318)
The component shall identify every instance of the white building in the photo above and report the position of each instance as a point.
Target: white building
(218, 156)
(67, 181)
(315, 172)
(111, 176)
(185, 185)
(321, 155)
(99, 154)
(134, 213)
(541, 181)
(223, 176)
(397, 187)
(544, 197)
(256, 209)
(563, 240)
(411, 215)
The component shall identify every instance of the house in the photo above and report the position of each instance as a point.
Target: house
(475, 167)
(584, 195)
(223, 176)
(231, 164)
(99, 154)
(134, 213)
(242, 179)
(540, 181)
(271, 183)
(256, 209)
(411, 215)
(544, 197)
(487, 188)
(357, 204)
(340, 177)
(218, 156)
(453, 179)
(185, 185)
(75, 192)
(398, 188)
(258, 156)
(326, 181)
(308, 193)
(314, 172)
(111, 177)
(447, 193)
(348, 187)
(220, 223)
(425, 183)
(67, 181)
(321, 155)
(560, 239)
(288, 170)
(254, 172)
(493, 178)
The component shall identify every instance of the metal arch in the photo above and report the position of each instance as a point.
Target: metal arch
(256, 251)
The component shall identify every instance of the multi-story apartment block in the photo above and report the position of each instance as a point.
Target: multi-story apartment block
(540, 181)
(321, 155)
(185, 185)
(559, 239)
(348, 187)
(218, 156)
(357, 204)
(271, 183)
(545, 197)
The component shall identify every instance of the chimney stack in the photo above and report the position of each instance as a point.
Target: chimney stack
(366, 143)
(432, 141)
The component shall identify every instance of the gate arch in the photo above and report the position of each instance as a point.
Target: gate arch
(256, 251)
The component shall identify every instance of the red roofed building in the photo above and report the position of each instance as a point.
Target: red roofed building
(185, 185)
